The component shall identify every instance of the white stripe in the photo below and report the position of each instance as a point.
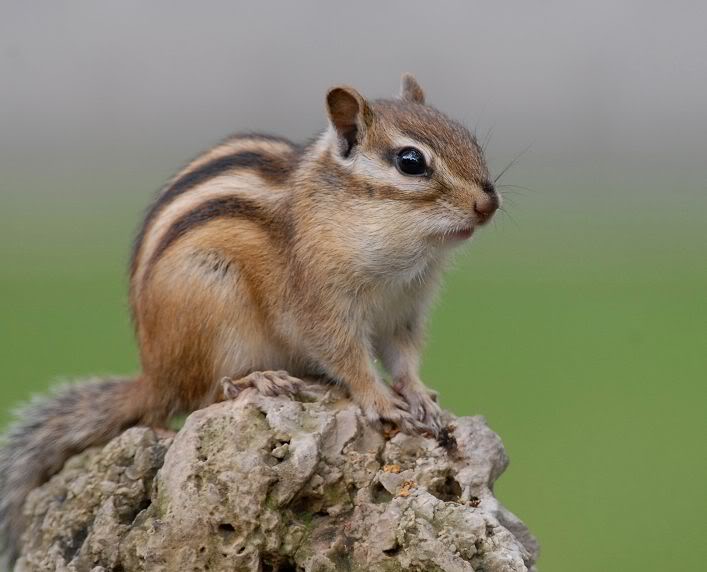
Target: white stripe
(247, 185)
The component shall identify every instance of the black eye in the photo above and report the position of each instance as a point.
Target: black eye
(411, 161)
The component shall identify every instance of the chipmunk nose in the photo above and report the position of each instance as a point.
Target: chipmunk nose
(486, 203)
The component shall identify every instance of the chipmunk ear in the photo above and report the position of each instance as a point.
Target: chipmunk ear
(349, 115)
(410, 90)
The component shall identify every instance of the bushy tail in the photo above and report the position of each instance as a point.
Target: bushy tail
(48, 431)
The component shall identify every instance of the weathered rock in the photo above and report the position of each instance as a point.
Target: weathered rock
(276, 484)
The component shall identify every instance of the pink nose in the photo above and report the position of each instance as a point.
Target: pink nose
(486, 204)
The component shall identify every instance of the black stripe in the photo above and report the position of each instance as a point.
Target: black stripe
(222, 207)
(273, 168)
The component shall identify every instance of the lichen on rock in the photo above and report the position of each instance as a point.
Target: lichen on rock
(271, 483)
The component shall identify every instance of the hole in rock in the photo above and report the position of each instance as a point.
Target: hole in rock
(380, 494)
(448, 490)
(75, 544)
(392, 551)
(227, 531)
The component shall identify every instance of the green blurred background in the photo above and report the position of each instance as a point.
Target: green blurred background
(576, 323)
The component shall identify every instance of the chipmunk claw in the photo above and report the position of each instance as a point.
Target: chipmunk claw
(422, 404)
(394, 409)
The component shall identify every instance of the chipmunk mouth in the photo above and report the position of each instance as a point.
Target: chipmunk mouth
(458, 234)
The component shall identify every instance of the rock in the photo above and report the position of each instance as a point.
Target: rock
(267, 483)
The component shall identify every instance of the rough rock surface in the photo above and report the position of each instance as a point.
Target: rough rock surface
(266, 483)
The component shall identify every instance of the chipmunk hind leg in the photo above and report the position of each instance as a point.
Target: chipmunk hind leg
(268, 383)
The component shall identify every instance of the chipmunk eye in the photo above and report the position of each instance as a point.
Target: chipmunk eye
(411, 161)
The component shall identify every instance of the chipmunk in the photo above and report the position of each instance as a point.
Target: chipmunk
(263, 262)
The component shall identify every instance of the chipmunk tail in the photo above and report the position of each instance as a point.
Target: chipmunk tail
(50, 429)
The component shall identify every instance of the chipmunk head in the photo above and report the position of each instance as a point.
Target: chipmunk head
(422, 175)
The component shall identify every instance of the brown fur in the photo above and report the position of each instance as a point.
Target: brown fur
(296, 284)
(264, 256)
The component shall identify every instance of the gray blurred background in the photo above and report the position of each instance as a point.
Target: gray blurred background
(601, 86)
(577, 323)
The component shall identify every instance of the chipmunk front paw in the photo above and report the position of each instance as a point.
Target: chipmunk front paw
(422, 404)
(382, 405)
